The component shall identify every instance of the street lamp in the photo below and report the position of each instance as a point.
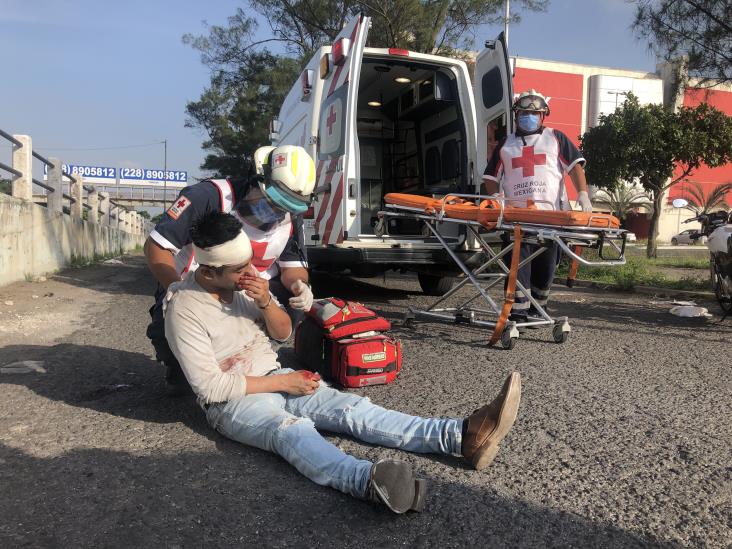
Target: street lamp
(616, 94)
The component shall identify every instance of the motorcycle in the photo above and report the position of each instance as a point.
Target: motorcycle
(717, 227)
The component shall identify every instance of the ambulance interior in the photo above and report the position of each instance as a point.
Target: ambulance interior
(411, 134)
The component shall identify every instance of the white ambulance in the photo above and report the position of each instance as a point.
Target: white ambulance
(391, 120)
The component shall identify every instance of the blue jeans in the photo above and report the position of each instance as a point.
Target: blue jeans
(286, 425)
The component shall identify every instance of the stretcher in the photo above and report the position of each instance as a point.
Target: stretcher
(483, 216)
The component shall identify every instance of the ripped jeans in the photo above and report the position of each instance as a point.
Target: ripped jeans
(286, 425)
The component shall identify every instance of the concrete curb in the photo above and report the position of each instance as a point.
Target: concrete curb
(647, 290)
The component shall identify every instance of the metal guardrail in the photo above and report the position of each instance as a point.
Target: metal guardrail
(75, 179)
(11, 170)
(11, 139)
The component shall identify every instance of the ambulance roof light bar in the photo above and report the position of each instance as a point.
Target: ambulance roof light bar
(399, 51)
(340, 51)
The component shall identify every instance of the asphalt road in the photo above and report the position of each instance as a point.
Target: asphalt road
(623, 437)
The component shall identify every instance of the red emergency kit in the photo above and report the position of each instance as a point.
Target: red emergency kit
(341, 340)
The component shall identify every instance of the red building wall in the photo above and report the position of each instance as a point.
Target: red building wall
(707, 177)
(564, 92)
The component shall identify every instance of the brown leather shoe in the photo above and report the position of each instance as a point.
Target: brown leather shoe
(487, 426)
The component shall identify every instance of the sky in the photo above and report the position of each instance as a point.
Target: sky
(102, 82)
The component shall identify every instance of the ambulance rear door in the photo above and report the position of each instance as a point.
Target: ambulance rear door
(493, 90)
(336, 207)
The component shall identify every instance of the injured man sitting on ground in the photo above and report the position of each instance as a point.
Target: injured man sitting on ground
(216, 320)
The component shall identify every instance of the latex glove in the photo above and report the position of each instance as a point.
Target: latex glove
(169, 293)
(302, 299)
(584, 201)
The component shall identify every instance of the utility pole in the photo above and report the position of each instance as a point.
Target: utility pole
(505, 20)
(165, 174)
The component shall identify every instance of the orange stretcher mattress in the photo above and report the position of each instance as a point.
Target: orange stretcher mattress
(488, 211)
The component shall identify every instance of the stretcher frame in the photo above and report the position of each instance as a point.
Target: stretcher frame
(569, 239)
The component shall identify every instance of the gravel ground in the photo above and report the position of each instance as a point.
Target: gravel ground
(623, 436)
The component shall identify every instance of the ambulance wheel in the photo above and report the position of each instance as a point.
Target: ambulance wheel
(559, 334)
(434, 284)
(508, 342)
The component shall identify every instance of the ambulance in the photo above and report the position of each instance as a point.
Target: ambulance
(391, 120)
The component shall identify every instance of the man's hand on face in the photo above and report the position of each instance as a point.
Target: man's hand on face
(302, 382)
(302, 299)
(255, 287)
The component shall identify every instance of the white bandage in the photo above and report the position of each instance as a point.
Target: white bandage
(233, 252)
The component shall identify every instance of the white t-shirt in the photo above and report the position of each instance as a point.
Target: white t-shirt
(216, 343)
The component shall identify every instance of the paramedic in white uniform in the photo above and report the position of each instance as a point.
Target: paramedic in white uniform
(530, 164)
(269, 206)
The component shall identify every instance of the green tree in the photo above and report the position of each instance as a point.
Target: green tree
(700, 30)
(701, 202)
(144, 214)
(249, 81)
(655, 148)
(623, 200)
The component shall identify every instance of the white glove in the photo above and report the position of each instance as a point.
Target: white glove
(584, 201)
(169, 293)
(302, 299)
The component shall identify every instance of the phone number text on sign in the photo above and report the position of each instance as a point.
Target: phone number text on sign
(86, 171)
(153, 175)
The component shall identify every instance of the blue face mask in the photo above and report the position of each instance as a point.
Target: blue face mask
(529, 122)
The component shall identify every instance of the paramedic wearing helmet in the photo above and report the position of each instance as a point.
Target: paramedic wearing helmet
(268, 205)
(530, 164)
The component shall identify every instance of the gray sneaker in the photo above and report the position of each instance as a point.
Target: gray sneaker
(393, 484)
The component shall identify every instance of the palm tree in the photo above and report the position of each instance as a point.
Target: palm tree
(623, 200)
(701, 202)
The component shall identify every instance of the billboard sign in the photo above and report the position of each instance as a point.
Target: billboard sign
(102, 175)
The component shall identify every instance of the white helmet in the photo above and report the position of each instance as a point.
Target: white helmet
(531, 100)
(289, 178)
(261, 157)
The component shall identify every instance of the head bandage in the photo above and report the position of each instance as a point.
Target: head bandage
(233, 252)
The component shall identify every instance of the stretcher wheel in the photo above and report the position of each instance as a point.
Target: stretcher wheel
(560, 332)
(509, 337)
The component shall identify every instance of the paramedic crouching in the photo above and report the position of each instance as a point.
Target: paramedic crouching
(217, 321)
(530, 164)
(268, 206)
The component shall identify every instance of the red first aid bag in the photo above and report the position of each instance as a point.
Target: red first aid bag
(339, 318)
(359, 362)
(340, 340)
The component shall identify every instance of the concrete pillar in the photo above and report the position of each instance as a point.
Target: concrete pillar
(55, 177)
(104, 209)
(77, 192)
(93, 215)
(23, 162)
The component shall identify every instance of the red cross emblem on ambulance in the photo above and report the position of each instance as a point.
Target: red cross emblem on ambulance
(331, 120)
(528, 160)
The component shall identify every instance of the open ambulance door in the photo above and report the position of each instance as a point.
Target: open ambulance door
(336, 206)
(493, 91)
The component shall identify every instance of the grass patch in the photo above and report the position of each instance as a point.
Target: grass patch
(77, 262)
(635, 272)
